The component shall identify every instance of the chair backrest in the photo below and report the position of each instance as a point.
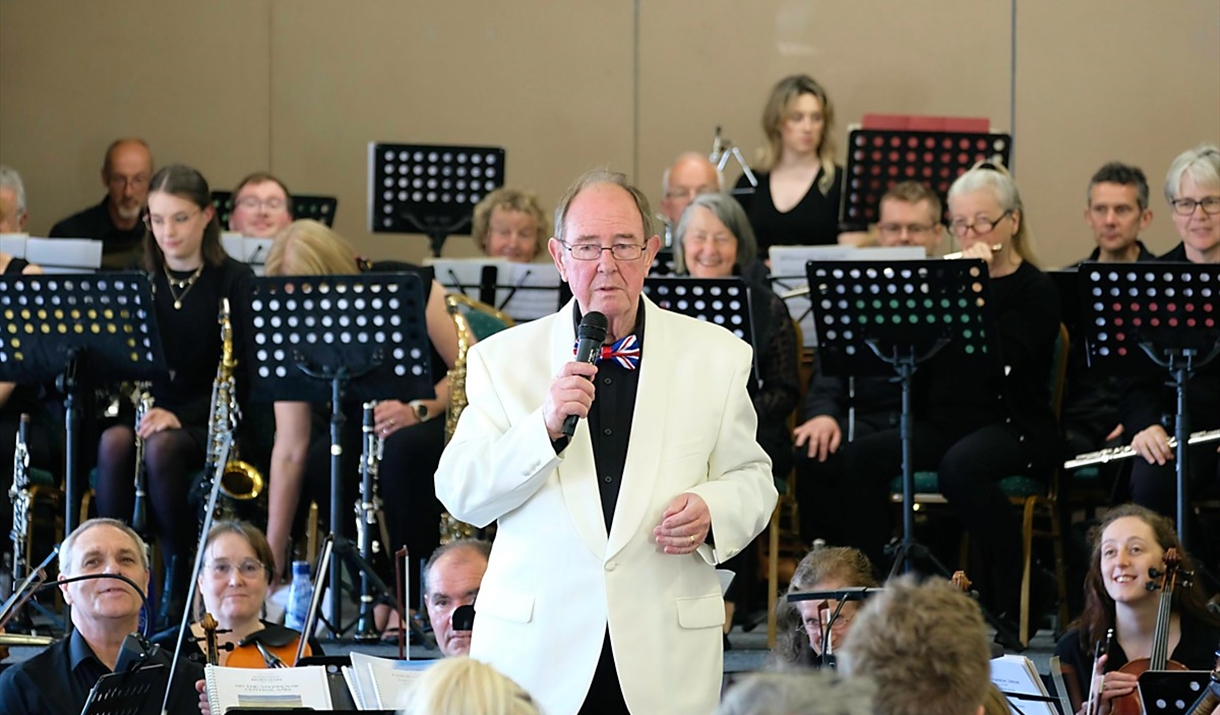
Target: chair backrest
(484, 320)
(1063, 345)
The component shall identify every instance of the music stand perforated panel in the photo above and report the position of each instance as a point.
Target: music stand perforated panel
(339, 322)
(722, 301)
(879, 158)
(108, 318)
(907, 305)
(1169, 305)
(422, 188)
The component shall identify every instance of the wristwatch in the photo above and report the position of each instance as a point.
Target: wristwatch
(420, 408)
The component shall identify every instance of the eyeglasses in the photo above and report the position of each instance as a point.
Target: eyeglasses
(180, 219)
(253, 203)
(1186, 207)
(593, 252)
(896, 229)
(249, 568)
(676, 193)
(981, 226)
(841, 623)
(120, 182)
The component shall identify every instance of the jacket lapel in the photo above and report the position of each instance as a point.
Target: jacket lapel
(578, 472)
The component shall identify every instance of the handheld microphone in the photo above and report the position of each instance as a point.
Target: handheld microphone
(590, 336)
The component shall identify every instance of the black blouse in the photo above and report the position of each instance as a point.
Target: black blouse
(814, 221)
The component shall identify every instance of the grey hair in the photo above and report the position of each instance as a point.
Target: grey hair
(69, 545)
(807, 693)
(10, 179)
(994, 178)
(478, 546)
(1203, 165)
(733, 217)
(603, 176)
(690, 155)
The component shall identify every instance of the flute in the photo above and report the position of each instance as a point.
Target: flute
(1114, 454)
(951, 256)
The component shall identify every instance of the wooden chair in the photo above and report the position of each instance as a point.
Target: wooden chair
(1039, 504)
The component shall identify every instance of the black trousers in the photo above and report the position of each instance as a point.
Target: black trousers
(969, 467)
(605, 694)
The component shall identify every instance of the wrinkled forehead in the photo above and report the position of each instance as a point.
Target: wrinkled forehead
(604, 211)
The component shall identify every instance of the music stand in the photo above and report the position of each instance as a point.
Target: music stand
(841, 596)
(78, 328)
(1167, 311)
(877, 319)
(319, 338)
(429, 188)
(135, 692)
(722, 301)
(318, 208)
(523, 291)
(1172, 692)
(879, 158)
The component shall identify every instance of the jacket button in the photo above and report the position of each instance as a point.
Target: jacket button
(610, 565)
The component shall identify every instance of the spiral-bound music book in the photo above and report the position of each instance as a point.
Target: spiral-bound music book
(274, 688)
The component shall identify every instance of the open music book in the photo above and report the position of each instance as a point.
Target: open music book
(381, 683)
(304, 687)
(1015, 675)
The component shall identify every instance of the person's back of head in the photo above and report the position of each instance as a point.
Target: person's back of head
(464, 686)
(806, 693)
(925, 646)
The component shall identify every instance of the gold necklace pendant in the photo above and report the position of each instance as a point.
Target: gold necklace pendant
(184, 285)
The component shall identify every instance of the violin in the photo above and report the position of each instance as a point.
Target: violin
(267, 648)
(1167, 581)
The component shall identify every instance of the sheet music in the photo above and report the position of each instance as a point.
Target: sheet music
(13, 244)
(384, 684)
(64, 255)
(1017, 674)
(250, 250)
(788, 273)
(304, 687)
(464, 275)
(527, 291)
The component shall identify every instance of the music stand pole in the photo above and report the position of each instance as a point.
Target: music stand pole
(69, 384)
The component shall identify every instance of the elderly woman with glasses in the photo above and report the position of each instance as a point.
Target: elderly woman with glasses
(977, 419)
(233, 584)
(805, 622)
(1192, 188)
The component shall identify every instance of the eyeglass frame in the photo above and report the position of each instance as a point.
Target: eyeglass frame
(1214, 201)
(253, 202)
(600, 249)
(973, 226)
(248, 568)
(913, 229)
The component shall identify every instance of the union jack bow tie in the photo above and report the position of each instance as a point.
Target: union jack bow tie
(626, 352)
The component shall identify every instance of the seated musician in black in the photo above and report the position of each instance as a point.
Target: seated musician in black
(104, 612)
(414, 431)
(975, 422)
(839, 410)
(1192, 188)
(191, 274)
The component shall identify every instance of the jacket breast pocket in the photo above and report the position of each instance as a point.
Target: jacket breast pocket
(507, 605)
(701, 612)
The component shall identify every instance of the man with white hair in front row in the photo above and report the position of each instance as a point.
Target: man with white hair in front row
(104, 612)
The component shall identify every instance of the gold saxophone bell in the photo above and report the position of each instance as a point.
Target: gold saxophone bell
(241, 481)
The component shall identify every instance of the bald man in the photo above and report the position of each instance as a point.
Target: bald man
(115, 221)
(692, 174)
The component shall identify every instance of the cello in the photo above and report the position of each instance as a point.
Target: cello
(1166, 581)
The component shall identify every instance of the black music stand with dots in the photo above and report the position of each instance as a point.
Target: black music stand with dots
(874, 318)
(879, 158)
(428, 188)
(320, 338)
(1166, 311)
(722, 301)
(78, 328)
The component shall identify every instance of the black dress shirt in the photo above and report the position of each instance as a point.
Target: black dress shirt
(119, 248)
(58, 680)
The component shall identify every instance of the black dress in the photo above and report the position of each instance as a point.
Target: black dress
(814, 221)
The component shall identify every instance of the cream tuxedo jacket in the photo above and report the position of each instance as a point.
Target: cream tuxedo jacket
(557, 580)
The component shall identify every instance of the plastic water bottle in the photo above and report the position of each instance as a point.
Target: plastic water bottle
(299, 595)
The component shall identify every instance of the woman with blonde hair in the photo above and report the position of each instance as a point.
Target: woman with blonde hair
(510, 223)
(413, 435)
(465, 686)
(799, 187)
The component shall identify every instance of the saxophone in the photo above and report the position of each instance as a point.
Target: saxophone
(240, 481)
(23, 500)
(451, 528)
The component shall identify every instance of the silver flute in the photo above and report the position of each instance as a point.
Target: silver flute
(1116, 453)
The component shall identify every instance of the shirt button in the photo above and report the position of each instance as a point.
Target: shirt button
(607, 479)
(607, 381)
(608, 431)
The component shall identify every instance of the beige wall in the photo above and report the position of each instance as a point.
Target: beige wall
(301, 86)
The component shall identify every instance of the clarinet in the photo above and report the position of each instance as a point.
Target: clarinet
(19, 495)
(366, 515)
(142, 398)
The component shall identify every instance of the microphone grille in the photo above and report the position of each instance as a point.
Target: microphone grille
(593, 326)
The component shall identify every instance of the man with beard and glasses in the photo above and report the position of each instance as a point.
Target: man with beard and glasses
(116, 220)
